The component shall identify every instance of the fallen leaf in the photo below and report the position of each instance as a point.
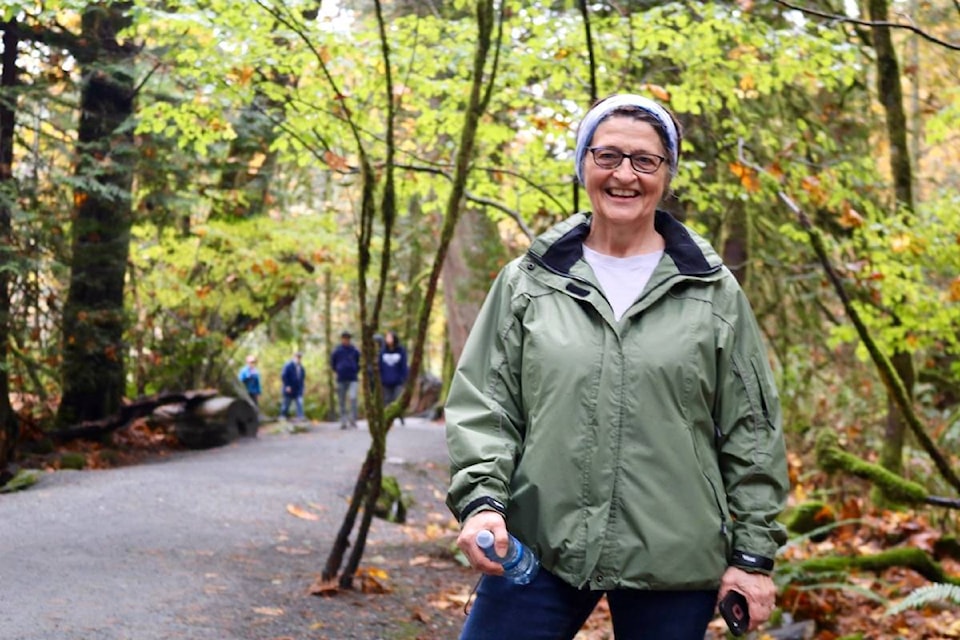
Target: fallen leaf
(370, 584)
(269, 611)
(300, 512)
(294, 551)
(321, 587)
(420, 615)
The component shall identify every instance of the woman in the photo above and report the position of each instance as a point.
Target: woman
(614, 409)
(393, 368)
(250, 378)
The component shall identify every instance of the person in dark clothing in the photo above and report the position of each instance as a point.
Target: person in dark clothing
(345, 363)
(293, 376)
(393, 368)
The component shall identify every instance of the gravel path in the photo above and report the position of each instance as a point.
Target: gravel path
(201, 545)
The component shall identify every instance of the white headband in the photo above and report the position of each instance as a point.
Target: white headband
(590, 122)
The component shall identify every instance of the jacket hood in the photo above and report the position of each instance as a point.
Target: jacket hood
(560, 247)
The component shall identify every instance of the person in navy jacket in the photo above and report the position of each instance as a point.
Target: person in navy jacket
(393, 368)
(345, 362)
(292, 376)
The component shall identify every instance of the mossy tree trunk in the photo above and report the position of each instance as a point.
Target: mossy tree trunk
(93, 314)
(368, 486)
(891, 96)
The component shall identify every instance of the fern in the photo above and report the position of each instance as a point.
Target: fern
(923, 596)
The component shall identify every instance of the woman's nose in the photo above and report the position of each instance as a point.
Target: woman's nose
(625, 170)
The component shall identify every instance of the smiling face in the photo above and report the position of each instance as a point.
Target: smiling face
(622, 196)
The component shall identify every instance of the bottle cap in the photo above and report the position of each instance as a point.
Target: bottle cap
(485, 539)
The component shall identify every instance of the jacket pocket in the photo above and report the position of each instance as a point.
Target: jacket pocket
(766, 397)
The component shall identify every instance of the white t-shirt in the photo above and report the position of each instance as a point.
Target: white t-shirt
(622, 279)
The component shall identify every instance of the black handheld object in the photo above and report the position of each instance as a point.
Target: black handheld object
(736, 612)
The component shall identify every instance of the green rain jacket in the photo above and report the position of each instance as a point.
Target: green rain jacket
(645, 453)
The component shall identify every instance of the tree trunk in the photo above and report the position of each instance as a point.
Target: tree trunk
(736, 245)
(249, 168)
(477, 105)
(93, 314)
(373, 488)
(8, 101)
(891, 95)
(476, 255)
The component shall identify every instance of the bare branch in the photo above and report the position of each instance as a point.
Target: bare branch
(510, 212)
(869, 23)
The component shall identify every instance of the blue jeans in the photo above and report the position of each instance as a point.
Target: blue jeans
(347, 392)
(550, 609)
(285, 405)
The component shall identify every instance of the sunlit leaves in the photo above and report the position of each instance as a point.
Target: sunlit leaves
(746, 175)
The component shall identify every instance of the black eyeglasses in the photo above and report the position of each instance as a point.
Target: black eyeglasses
(610, 158)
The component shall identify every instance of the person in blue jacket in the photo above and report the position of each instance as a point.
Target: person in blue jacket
(292, 377)
(250, 379)
(345, 363)
(393, 368)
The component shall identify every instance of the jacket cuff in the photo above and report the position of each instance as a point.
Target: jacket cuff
(751, 562)
(484, 503)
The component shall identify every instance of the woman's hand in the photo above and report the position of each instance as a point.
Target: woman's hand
(758, 589)
(467, 540)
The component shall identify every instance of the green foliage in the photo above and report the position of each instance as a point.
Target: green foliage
(195, 295)
(73, 460)
(23, 479)
(927, 595)
(791, 95)
(392, 503)
(904, 269)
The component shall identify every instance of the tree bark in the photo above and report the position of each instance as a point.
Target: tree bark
(475, 256)
(93, 315)
(8, 110)
(891, 96)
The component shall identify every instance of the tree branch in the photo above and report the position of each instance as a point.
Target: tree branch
(886, 369)
(869, 23)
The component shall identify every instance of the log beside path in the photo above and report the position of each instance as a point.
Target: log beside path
(215, 422)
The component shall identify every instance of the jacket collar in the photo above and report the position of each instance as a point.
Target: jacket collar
(562, 246)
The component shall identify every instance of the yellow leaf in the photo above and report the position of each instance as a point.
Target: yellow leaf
(300, 512)
(811, 184)
(748, 177)
(850, 218)
(955, 290)
(256, 161)
(900, 243)
(657, 91)
(374, 572)
(747, 83)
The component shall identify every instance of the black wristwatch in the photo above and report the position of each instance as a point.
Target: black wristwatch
(486, 501)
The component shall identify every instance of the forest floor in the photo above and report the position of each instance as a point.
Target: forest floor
(411, 584)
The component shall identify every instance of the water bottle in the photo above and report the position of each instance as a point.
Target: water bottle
(520, 565)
